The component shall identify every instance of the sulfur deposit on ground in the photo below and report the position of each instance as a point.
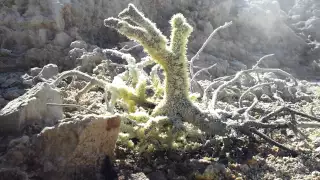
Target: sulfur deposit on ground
(80, 100)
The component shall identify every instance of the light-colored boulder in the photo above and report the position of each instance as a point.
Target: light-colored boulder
(31, 107)
(77, 143)
(78, 147)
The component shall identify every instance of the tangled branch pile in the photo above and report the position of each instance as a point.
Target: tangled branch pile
(162, 113)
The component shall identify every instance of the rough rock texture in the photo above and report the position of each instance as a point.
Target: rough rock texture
(77, 144)
(75, 148)
(40, 32)
(11, 87)
(31, 108)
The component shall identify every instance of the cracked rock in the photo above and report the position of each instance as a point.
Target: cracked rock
(31, 107)
(78, 144)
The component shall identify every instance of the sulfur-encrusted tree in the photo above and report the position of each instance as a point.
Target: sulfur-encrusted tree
(172, 56)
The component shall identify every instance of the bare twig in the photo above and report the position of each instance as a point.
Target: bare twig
(197, 74)
(255, 102)
(284, 108)
(249, 90)
(273, 142)
(119, 65)
(260, 60)
(274, 113)
(278, 97)
(100, 83)
(125, 49)
(85, 90)
(239, 74)
(298, 131)
(252, 126)
(308, 125)
(311, 111)
(215, 82)
(196, 56)
(80, 75)
(72, 105)
(302, 114)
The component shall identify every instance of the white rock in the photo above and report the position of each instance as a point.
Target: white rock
(77, 143)
(49, 71)
(35, 71)
(62, 39)
(79, 44)
(31, 107)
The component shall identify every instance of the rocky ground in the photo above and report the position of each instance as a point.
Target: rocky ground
(40, 39)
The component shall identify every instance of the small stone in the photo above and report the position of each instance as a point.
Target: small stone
(35, 71)
(290, 134)
(265, 98)
(139, 176)
(49, 71)
(62, 39)
(27, 82)
(79, 44)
